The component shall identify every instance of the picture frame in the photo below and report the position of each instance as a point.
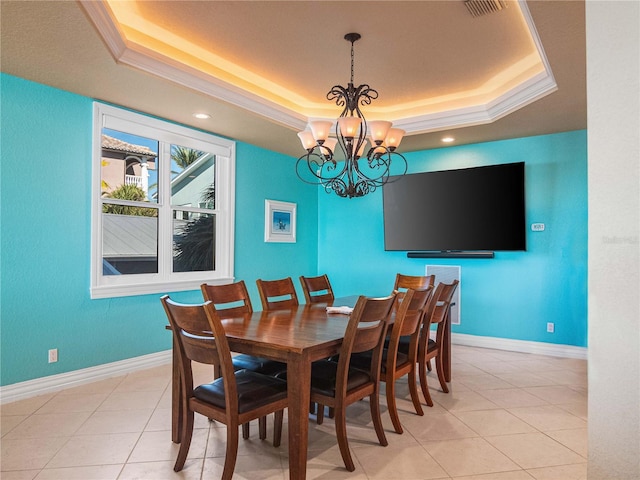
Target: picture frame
(279, 221)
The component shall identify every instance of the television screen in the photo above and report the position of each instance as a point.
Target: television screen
(471, 209)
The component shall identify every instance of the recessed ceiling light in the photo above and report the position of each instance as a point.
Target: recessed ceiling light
(202, 116)
(447, 139)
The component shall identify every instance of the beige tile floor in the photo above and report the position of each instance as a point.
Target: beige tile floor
(508, 416)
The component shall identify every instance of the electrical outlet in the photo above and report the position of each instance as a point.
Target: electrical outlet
(550, 327)
(53, 355)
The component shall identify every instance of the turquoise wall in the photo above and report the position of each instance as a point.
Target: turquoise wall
(511, 296)
(45, 207)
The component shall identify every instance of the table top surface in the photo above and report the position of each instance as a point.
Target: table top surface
(294, 329)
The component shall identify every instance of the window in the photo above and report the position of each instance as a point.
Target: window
(163, 206)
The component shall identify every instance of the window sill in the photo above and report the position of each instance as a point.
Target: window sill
(112, 291)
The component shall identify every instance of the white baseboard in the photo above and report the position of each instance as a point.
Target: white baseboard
(522, 346)
(54, 383)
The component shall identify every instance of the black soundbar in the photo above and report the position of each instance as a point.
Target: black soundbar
(451, 254)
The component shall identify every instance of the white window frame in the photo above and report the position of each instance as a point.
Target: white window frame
(107, 286)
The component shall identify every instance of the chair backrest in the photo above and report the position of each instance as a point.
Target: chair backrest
(408, 319)
(231, 299)
(439, 308)
(277, 294)
(365, 331)
(404, 282)
(317, 289)
(410, 312)
(200, 337)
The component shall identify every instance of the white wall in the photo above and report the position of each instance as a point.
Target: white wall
(613, 89)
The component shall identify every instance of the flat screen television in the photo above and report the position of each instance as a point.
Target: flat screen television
(479, 209)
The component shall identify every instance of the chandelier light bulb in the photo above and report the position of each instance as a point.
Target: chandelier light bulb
(320, 129)
(330, 143)
(378, 130)
(307, 140)
(349, 126)
(394, 137)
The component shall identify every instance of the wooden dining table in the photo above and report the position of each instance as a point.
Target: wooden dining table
(297, 336)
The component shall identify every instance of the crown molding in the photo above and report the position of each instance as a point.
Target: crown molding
(107, 26)
(142, 58)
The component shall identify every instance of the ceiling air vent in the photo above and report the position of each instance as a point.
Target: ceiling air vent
(482, 7)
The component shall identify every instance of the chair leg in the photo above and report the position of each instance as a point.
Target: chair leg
(413, 390)
(262, 427)
(277, 427)
(332, 412)
(185, 441)
(231, 454)
(245, 430)
(374, 405)
(422, 371)
(441, 376)
(392, 407)
(429, 365)
(319, 414)
(341, 434)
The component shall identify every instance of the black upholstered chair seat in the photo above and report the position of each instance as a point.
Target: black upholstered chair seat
(324, 374)
(254, 390)
(403, 344)
(363, 360)
(258, 364)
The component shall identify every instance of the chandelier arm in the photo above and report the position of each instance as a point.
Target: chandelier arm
(365, 94)
(316, 163)
(387, 164)
(307, 163)
(366, 178)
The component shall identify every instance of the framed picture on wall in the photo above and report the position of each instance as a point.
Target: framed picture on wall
(279, 221)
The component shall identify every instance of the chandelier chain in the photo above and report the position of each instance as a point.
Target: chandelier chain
(352, 61)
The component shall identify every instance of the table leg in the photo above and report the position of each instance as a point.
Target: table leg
(299, 393)
(176, 404)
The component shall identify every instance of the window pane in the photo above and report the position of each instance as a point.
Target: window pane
(193, 241)
(192, 178)
(129, 166)
(129, 240)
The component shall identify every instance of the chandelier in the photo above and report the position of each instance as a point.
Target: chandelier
(350, 174)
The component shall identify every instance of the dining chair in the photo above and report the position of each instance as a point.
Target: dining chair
(404, 282)
(317, 289)
(233, 300)
(438, 314)
(395, 364)
(337, 385)
(277, 294)
(235, 398)
(401, 284)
